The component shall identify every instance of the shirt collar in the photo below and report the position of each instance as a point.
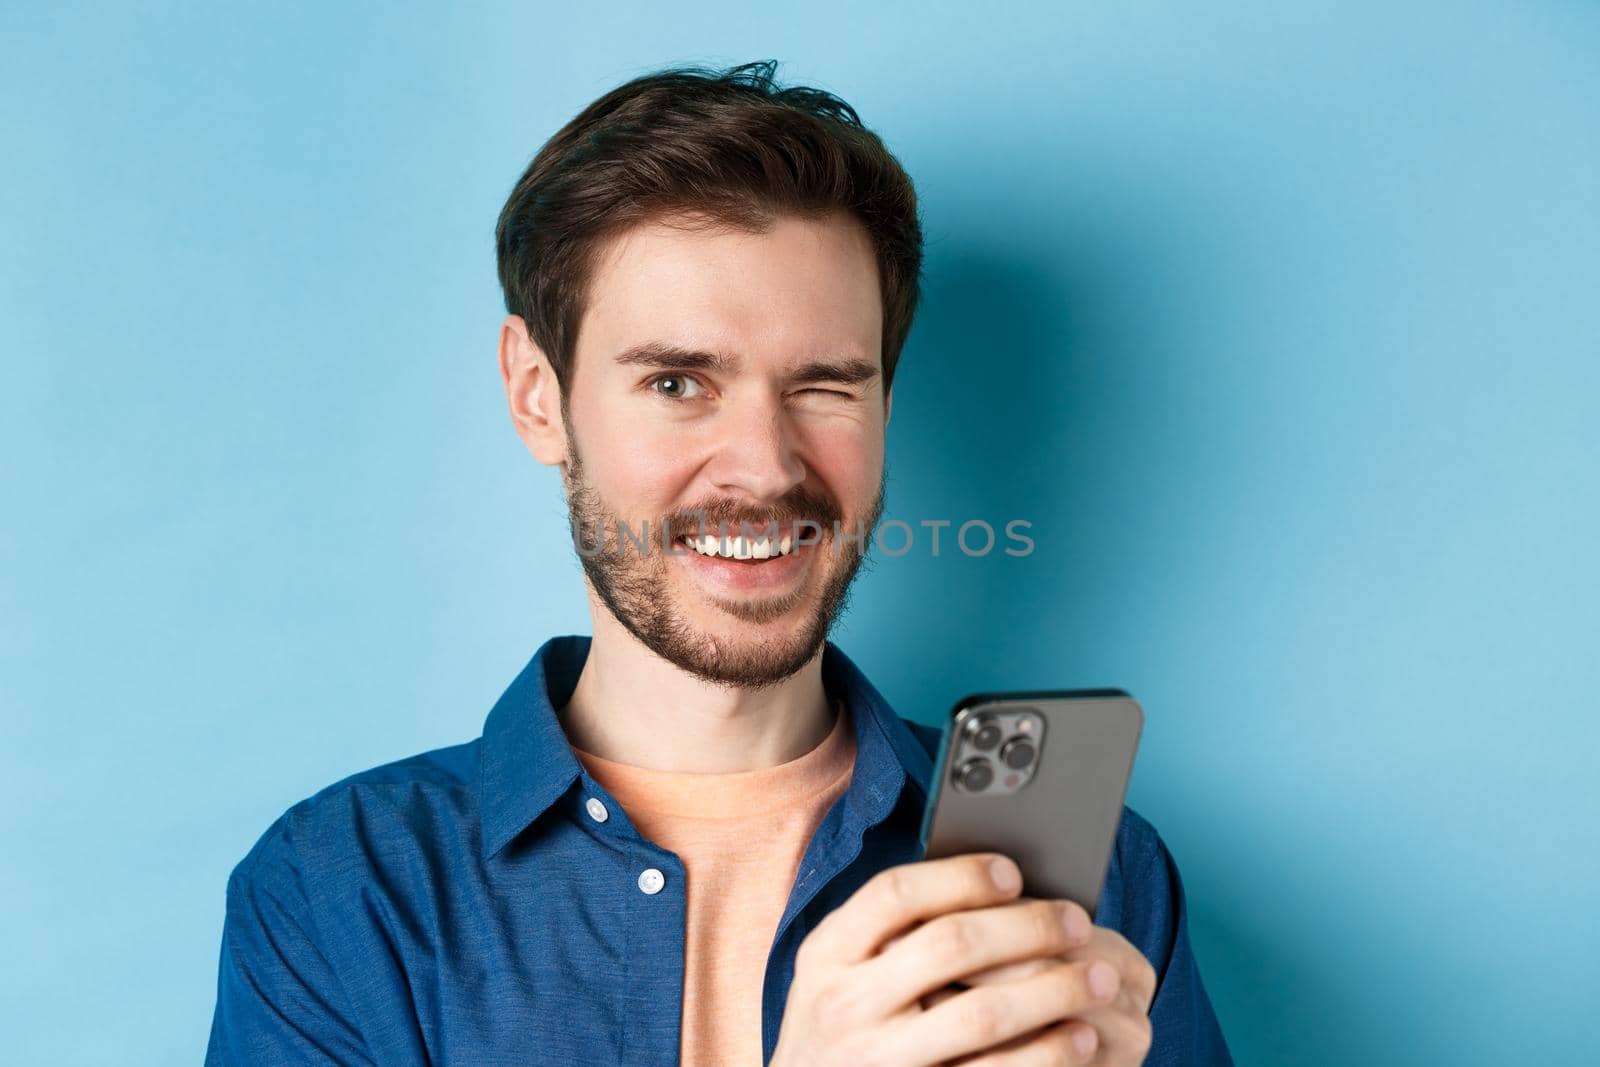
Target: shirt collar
(526, 763)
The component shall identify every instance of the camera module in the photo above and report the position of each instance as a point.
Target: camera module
(975, 775)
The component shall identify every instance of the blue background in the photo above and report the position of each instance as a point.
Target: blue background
(1279, 326)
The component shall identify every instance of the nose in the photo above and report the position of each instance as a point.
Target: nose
(756, 453)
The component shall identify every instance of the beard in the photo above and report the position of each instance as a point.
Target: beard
(635, 585)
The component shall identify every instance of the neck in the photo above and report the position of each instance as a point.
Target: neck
(634, 707)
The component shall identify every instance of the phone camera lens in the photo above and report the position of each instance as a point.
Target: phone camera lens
(975, 775)
(985, 734)
(1017, 753)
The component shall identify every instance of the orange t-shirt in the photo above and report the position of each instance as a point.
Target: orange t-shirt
(741, 837)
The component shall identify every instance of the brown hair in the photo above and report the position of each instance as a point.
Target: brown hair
(727, 146)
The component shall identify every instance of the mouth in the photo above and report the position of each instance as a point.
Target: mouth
(752, 549)
(745, 564)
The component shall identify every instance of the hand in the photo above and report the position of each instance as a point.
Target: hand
(862, 976)
(1120, 1030)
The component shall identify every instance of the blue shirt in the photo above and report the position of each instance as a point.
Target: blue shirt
(462, 907)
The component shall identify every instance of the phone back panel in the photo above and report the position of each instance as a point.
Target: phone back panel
(1061, 823)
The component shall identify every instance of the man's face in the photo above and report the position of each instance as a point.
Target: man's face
(737, 374)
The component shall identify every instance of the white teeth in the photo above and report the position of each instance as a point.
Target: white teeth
(741, 547)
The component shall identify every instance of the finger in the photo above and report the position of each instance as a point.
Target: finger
(1112, 945)
(975, 1020)
(900, 896)
(1137, 986)
(1006, 972)
(1081, 1030)
(1124, 1031)
(1072, 1041)
(1003, 972)
(1132, 967)
(1124, 1003)
(963, 943)
(897, 937)
(1010, 972)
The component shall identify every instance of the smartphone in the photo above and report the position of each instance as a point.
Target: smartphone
(1040, 776)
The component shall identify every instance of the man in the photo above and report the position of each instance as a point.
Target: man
(693, 837)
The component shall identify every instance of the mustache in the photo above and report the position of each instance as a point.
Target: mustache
(731, 516)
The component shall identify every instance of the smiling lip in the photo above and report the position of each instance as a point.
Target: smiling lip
(747, 575)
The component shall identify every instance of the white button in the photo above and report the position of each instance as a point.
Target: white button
(651, 881)
(597, 811)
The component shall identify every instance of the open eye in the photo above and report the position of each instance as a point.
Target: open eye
(676, 386)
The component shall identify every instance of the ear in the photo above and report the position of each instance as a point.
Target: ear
(532, 392)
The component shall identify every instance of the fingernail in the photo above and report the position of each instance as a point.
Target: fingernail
(1005, 874)
(1076, 922)
(1102, 980)
(1084, 1040)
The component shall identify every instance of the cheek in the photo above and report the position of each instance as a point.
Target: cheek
(849, 459)
(634, 467)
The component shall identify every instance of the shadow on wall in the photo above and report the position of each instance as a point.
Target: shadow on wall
(1012, 401)
(1047, 387)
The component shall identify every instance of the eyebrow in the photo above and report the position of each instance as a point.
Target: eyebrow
(667, 356)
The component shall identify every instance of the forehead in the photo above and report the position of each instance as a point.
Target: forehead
(803, 288)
